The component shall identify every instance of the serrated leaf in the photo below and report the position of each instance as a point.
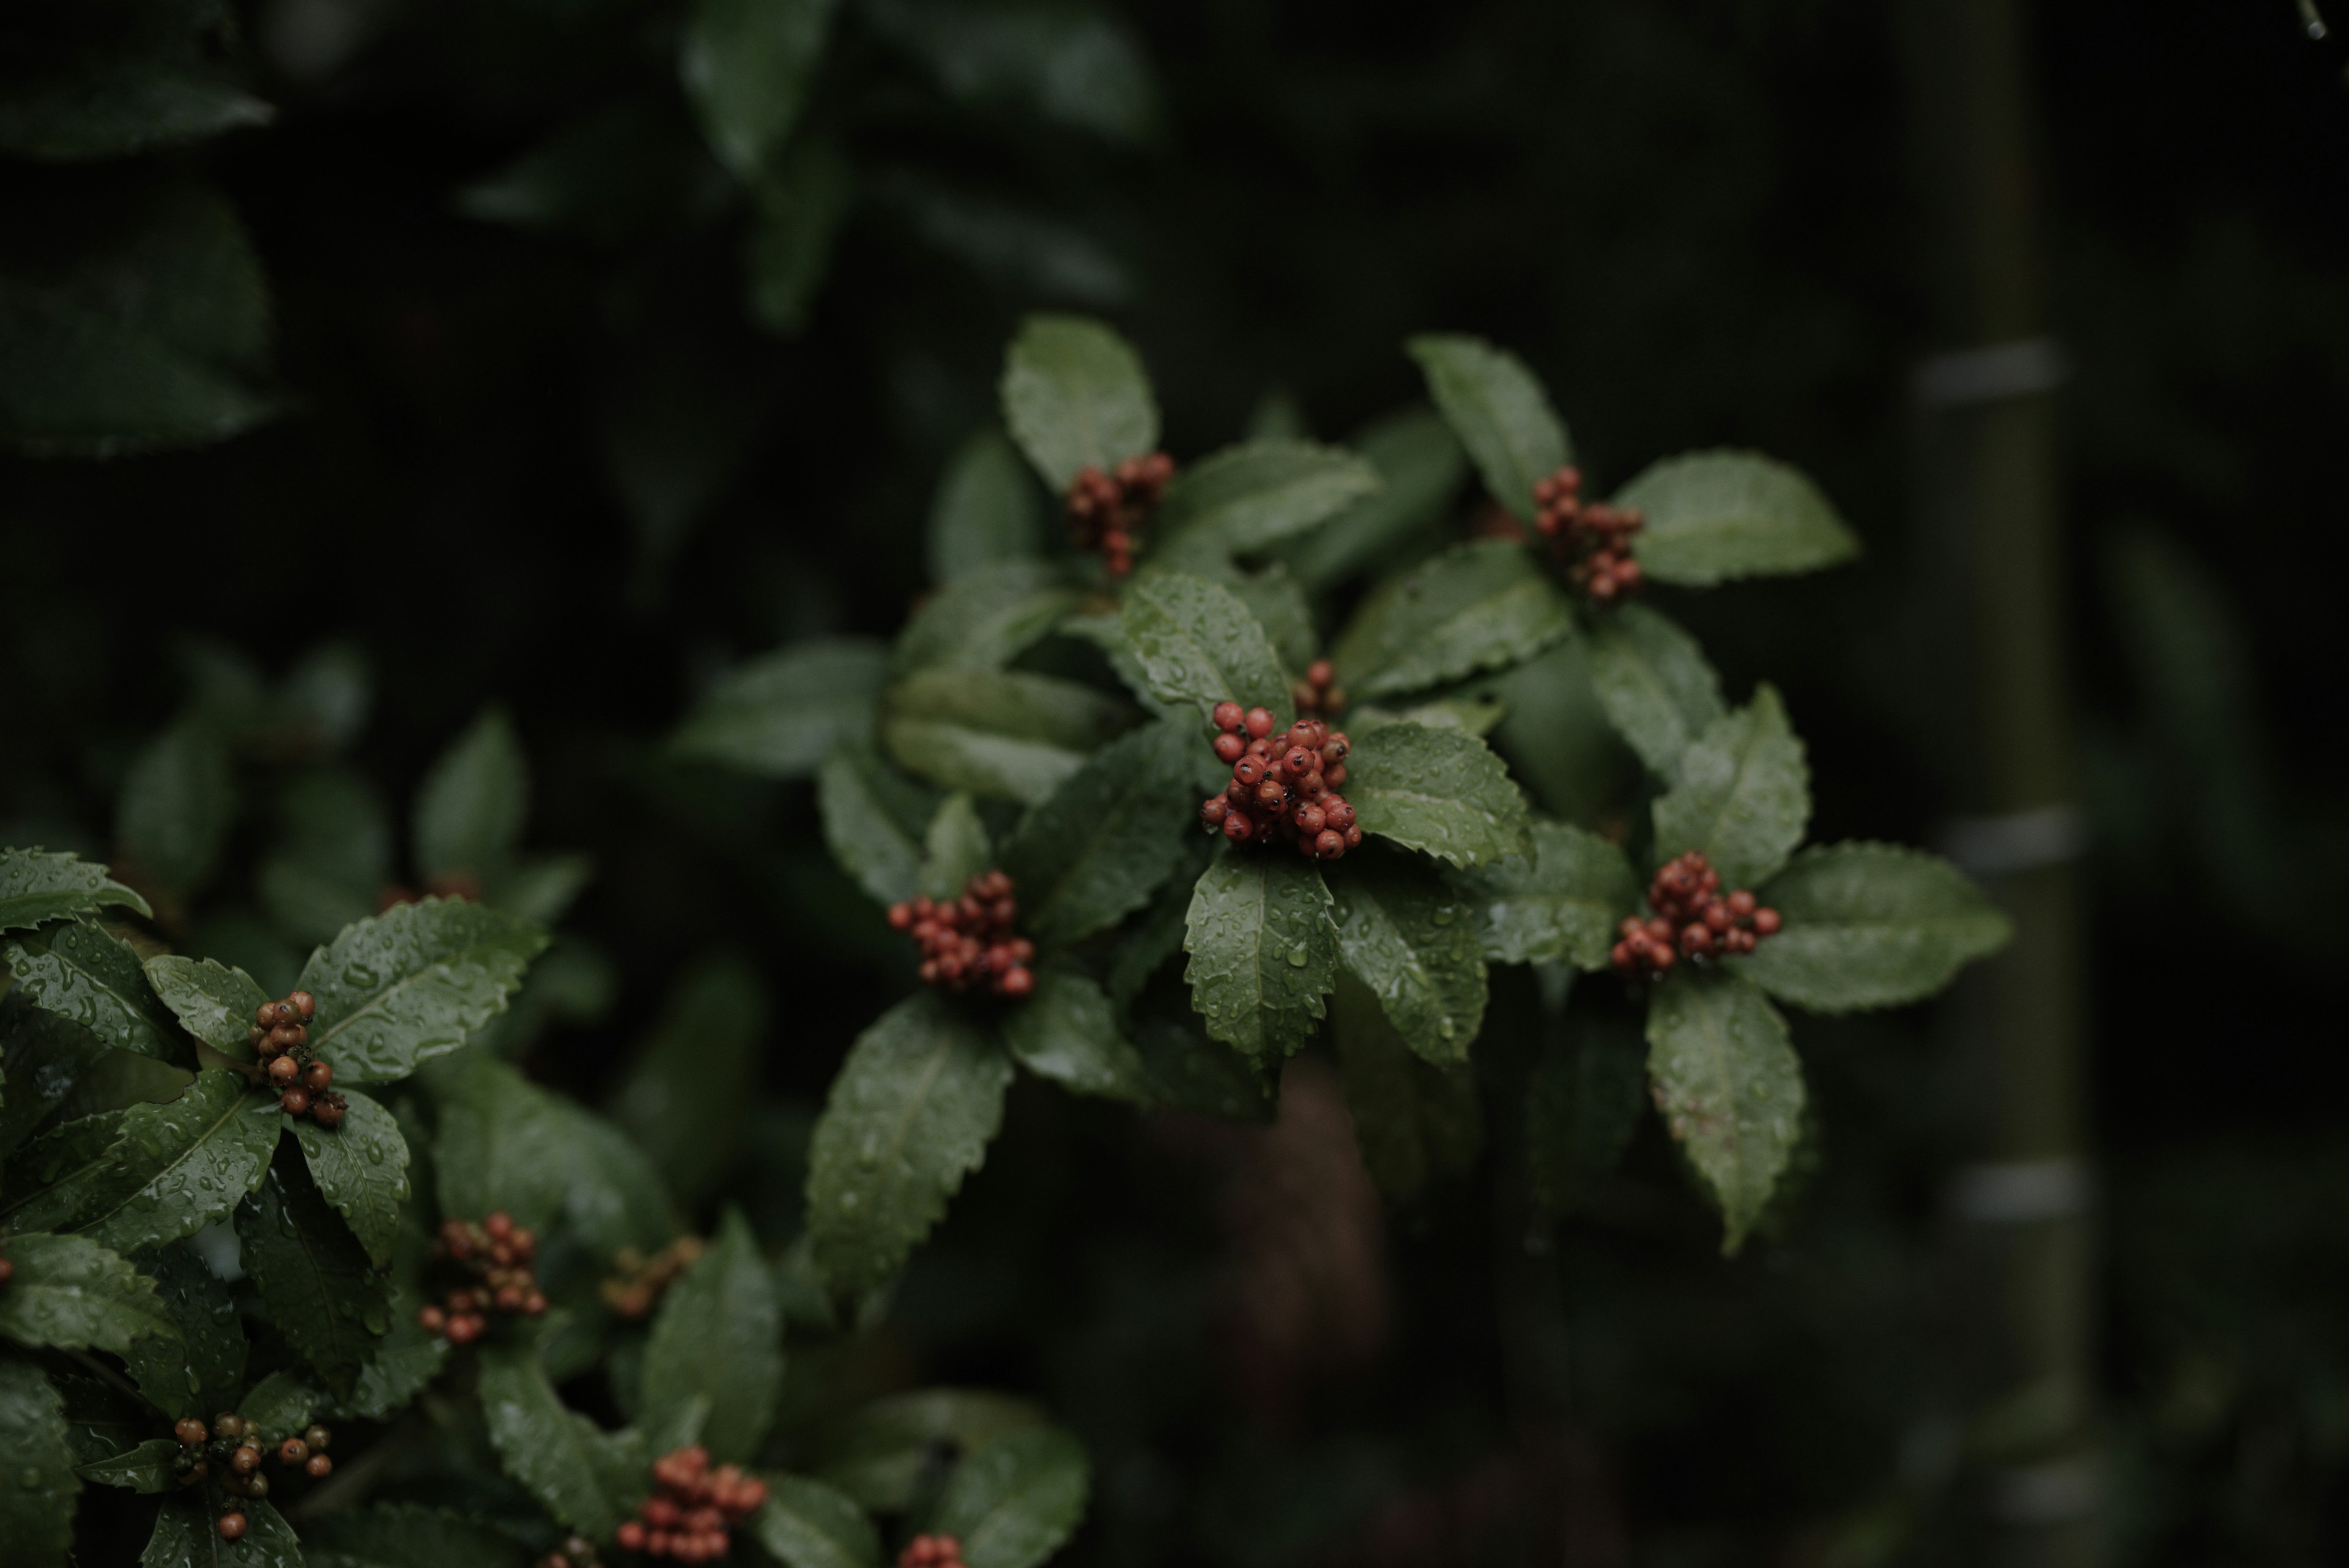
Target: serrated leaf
(313, 1276)
(1067, 1032)
(986, 510)
(187, 1536)
(1106, 839)
(1420, 466)
(279, 1406)
(405, 1535)
(69, 1291)
(1250, 497)
(176, 806)
(1413, 1121)
(714, 1364)
(198, 1367)
(1264, 951)
(1562, 902)
(1582, 1102)
(361, 1168)
(412, 983)
(1018, 1500)
(1870, 925)
(1715, 515)
(872, 820)
(806, 1524)
(176, 1166)
(586, 1478)
(38, 887)
(954, 849)
(1729, 1087)
(876, 1454)
(1198, 645)
(1741, 795)
(1479, 606)
(1500, 413)
(85, 973)
(471, 805)
(909, 1115)
(407, 1358)
(1654, 683)
(1075, 396)
(1413, 942)
(214, 1002)
(688, 1094)
(1439, 791)
(996, 732)
(749, 67)
(781, 715)
(505, 1143)
(988, 617)
(145, 1468)
(37, 1484)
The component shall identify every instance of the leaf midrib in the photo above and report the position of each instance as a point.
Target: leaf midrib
(375, 1002)
(236, 1108)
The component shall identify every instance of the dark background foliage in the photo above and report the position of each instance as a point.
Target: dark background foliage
(557, 467)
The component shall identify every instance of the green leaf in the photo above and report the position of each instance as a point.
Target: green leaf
(407, 1358)
(541, 890)
(471, 809)
(1583, 1100)
(43, 1058)
(1279, 605)
(1106, 840)
(1414, 944)
(1264, 951)
(112, 103)
(214, 1002)
(1075, 396)
(69, 1291)
(714, 1362)
(279, 1406)
(1413, 1121)
(1741, 794)
(1198, 645)
(505, 1143)
(1557, 736)
(361, 1168)
(1870, 925)
(1420, 466)
(1562, 902)
(586, 1478)
(187, 1537)
(988, 617)
(1018, 1500)
(38, 887)
(1066, 1032)
(1729, 1087)
(1715, 515)
(177, 801)
(688, 1095)
(405, 1535)
(986, 511)
(873, 818)
(1654, 682)
(1250, 497)
(59, 1172)
(996, 732)
(909, 1118)
(145, 1468)
(1479, 606)
(781, 714)
(1500, 413)
(877, 1454)
(176, 1166)
(313, 1276)
(797, 211)
(807, 1524)
(83, 972)
(37, 1484)
(954, 849)
(1439, 791)
(412, 983)
(198, 1367)
(749, 67)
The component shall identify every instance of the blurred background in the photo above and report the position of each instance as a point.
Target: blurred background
(368, 364)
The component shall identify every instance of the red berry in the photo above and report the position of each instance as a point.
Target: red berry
(190, 1431)
(317, 1076)
(1320, 672)
(1337, 812)
(1354, 837)
(1309, 819)
(292, 1451)
(631, 1536)
(294, 1101)
(1300, 761)
(465, 1328)
(1259, 722)
(1229, 716)
(1766, 922)
(432, 1319)
(1330, 845)
(1212, 811)
(1230, 748)
(231, 1527)
(1237, 827)
(1741, 903)
(1017, 982)
(283, 1071)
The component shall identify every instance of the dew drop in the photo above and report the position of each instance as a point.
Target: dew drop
(1297, 958)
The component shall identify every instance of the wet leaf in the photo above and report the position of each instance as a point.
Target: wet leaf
(1500, 413)
(1870, 925)
(1264, 951)
(1741, 795)
(1440, 791)
(1715, 515)
(1075, 396)
(413, 984)
(69, 1291)
(1729, 1087)
(38, 887)
(714, 1362)
(361, 1168)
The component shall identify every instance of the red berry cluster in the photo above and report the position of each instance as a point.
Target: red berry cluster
(687, 1517)
(281, 1039)
(1593, 538)
(931, 1552)
(1692, 915)
(640, 1281)
(578, 1552)
(1319, 692)
(1284, 788)
(970, 939)
(234, 1444)
(497, 1252)
(1107, 510)
(448, 884)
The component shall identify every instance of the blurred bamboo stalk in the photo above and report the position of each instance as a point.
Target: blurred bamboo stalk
(1990, 472)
